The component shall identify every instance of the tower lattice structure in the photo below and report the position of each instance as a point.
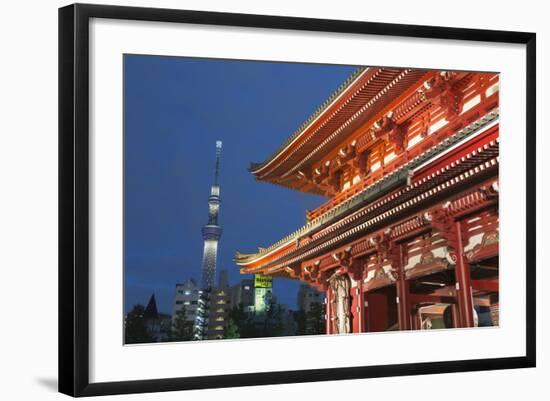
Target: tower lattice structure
(211, 233)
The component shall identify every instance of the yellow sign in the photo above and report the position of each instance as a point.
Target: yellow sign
(261, 281)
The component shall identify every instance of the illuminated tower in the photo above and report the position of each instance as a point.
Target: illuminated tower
(211, 234)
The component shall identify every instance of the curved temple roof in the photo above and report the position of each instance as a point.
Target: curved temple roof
(256, 167)
(362, 96)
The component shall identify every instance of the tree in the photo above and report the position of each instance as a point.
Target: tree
(182, 328)
(135, 330)
(273, 326)
(300, 317)
(315, 319)
(232, 330)
(238, 323)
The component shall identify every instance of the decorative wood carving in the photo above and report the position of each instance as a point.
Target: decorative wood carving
(383, 272)
(492, 190)
(480, 231)
(346, 153)
(425, 124)
(432, 254)
(382, 243)
(442, 220)
(316, 178)
(429, 263)
(353, 267)
(361, 163)
(380, 276)
(442, 91)
(487, 248)
(395, 133)
(344, 257)
(293, 271)
(320, 173)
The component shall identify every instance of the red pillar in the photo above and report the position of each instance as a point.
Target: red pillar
(464, 287)
(456, 320)
(357, 308)
(404, 306)
(328, 322)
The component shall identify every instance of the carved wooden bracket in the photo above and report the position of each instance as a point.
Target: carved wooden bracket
(343, 257)
(316, 178)
(320, 173)
(425, 124)
(352, 266)
(398, 137)
(294, 272)
(395, 133)
(441, 90)
(346, 154)
(491, 191)
(383, 244)
(442, 220)
(361, 163)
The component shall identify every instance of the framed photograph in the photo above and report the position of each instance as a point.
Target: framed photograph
(250, 199)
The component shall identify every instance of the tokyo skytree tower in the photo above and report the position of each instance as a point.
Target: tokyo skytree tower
(212, 231)
(211, 234)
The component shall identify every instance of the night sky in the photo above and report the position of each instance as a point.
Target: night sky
(175, 109)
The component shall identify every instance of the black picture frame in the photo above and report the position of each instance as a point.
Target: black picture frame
(74, 194)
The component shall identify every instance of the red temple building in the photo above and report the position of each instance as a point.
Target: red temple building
(409, 236)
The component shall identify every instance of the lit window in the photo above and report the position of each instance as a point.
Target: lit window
(219, 328)
(187, 292)
(246, 287)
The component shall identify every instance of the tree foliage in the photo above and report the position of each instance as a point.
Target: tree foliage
(135, 330)
(182, 329)
(274, 322)
(315, 319)
(312, 321)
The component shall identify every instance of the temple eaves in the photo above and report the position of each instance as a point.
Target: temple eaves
(373, 191)
(255, 166)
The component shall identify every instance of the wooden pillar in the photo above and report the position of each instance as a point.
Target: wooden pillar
(403, 306)
(328, 300)
(456, 320)
(357, 308)
(463, 282)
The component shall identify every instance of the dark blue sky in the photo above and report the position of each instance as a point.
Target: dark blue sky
(175, 110)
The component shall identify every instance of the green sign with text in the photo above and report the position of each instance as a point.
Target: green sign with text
(261, 281)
